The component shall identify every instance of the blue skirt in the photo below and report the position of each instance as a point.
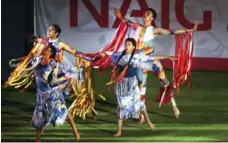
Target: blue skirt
(50, 108)
(128, 97)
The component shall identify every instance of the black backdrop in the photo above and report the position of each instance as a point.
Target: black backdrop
(17, 22)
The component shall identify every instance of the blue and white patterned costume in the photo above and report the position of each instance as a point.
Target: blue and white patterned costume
(50, 108)
(127, 90)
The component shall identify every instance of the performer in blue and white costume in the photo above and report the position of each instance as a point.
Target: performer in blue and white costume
(68, 70)
(50, 108)
(127, 89)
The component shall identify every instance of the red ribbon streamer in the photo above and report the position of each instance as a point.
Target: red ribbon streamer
(183, 66)
(104, 62)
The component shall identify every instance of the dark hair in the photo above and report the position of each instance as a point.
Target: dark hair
(133, 42)
(53, 51)
(124, 52)
(126, 67)
(153, 11)
(57, 28)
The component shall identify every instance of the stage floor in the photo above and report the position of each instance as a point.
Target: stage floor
(203, 106)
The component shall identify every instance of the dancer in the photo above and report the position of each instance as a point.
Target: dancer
(68, 76)
(145, 37)
(127, 90)
(53, 39)
(59, 46)
(50, 108)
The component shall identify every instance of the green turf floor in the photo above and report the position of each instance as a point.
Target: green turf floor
(203, 106)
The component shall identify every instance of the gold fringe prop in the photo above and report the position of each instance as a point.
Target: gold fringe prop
(19, 77)
(84, 95)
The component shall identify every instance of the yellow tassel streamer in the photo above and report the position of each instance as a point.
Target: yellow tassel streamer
(84, 98)
(16, 79)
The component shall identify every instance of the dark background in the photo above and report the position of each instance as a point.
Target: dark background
(17, 22)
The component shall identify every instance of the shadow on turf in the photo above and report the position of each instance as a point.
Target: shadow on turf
(20, 105)
(160, 114)
(85, 135)
(106, 103)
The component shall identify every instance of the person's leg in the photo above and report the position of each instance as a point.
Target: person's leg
(119, 127)
(142, 79)
(38, 134)
(95, 114)
(139, 76)
(119, 123)
(151, 125)
(39, 119)
(166, 89)
(175, 108)
(73, 125)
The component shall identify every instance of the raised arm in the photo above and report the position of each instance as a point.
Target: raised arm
(118, 14)
(161, 31)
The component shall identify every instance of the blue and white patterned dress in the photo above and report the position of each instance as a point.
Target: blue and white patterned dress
(127, 90)
(50, 108)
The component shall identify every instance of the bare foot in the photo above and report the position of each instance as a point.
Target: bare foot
(77, 137)
(152, 126)
(141, 121)
(95, 114)
(37, 139)
(117, 134)
(176, 112)
(95, 117)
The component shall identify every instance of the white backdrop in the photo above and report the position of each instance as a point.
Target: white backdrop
(89, 37)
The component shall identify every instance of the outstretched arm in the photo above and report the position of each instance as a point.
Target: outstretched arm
(164, 57)
(70, 50)
(67, 48)
(161, 31)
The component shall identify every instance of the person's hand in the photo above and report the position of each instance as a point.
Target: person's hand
(108, 53)
(78, 54)
(118, 14)
(102, 54)
(195, 26)
(196, 23)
